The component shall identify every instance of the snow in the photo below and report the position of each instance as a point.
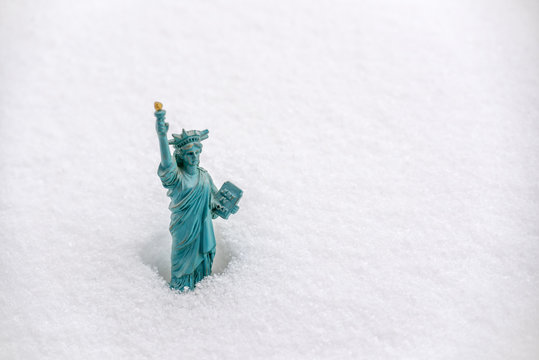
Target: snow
(388, 152)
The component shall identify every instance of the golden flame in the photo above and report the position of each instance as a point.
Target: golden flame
(157, 105)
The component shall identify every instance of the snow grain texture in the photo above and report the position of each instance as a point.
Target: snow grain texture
(387, 151)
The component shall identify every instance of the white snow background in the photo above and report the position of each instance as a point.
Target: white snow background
(388, 152)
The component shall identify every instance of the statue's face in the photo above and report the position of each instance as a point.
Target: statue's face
(192, 156)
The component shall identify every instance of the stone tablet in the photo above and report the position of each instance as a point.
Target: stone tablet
(228, 196)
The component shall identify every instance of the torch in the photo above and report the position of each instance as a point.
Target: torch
(160, 113)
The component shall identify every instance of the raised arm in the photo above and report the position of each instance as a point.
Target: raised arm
(162, 127)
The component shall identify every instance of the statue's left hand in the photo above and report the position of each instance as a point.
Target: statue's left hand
(218, 207)
(215, 206)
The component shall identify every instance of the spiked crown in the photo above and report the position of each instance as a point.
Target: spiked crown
(188, 137)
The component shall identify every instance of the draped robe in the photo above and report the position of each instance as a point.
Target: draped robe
(193, 239)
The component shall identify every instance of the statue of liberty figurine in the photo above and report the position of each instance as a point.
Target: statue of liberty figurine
(194, 202)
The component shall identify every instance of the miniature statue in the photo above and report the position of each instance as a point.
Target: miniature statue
(194, 202)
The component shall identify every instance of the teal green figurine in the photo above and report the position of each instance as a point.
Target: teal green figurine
(194, 202)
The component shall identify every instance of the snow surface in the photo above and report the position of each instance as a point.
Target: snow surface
(388, 151)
